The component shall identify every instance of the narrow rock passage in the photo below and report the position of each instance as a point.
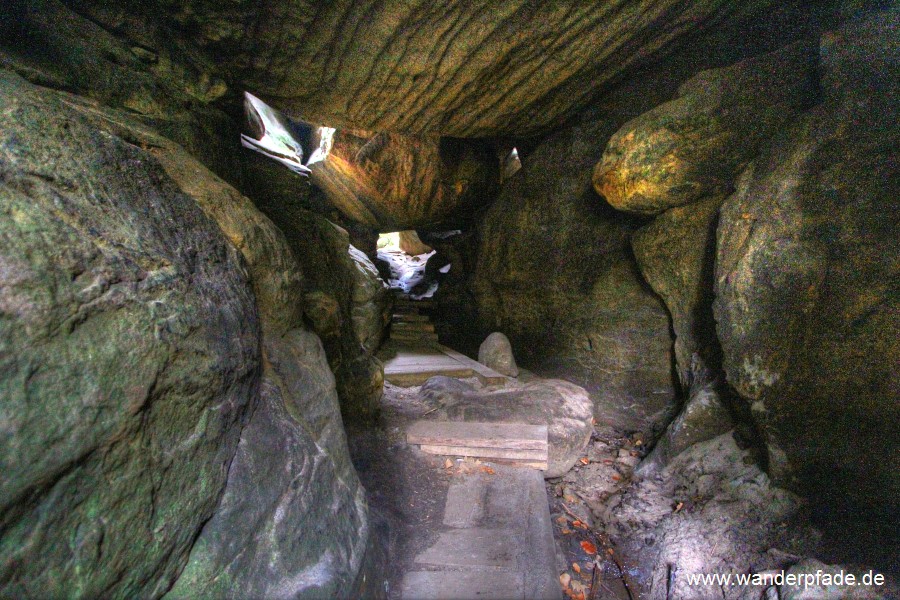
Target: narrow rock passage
(464, 527)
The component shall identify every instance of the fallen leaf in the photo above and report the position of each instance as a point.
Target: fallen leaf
(679, 506)
(585, 460)
(588, 547)
(610, 551)
(617, 477)
(488, 470)
(562, 520)
(568, 498)
(578, 587)
(579, 524)
(448, 464)
(564, 579)
(565, 531)
(638, 442)
(576, 567)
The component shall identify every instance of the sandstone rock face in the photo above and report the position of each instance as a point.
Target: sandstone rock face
(676, 254)
(695, 145)
(806, 299)
(129, 355)
(412, 245)
(451, 67)
(564, 407)
(140, 313)
(346, 303)
(396, 182)
(292, 522)
(556, 275)
(496, 353)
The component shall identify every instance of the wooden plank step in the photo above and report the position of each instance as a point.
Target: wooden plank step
(409, 318)
(516, 436)
(412, 377)
(413, 327)
(414, 336)
(506, 453)
(487, 375)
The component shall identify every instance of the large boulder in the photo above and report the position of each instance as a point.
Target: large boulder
(392, 182)
(806, 298)
(129, 353)
(556, 274)
(563, 407)
(695, 145)
(496, 352)
(247, 548)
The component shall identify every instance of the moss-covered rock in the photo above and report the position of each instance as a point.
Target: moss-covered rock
(695, 145)
(129, 353)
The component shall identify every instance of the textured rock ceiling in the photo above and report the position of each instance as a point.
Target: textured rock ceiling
(461, 68)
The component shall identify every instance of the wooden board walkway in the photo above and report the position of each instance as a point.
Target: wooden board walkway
(415, 364)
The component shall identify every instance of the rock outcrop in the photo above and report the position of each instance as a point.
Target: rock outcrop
(556, 274)
(565, 409)
(158, 315)
(806, 296)
(695, 145)
(130, 355)
(394, 182)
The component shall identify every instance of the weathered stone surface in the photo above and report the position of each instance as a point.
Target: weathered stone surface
(396, 182)
(292, 522)
(676, 254)
(411, 244)
(711, 510)
(346, 303)
(696, 145)
(806, 296)
(129, 348)
(449, 67)
(496, 352)
(555, 273)
(564, 407)
(703, 417)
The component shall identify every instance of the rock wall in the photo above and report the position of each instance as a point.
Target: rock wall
(346, 303)
(796, 264)
(159, 383)
(555, 274)
(806, 289)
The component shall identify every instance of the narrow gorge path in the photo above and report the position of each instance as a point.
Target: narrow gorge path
(462, 527)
